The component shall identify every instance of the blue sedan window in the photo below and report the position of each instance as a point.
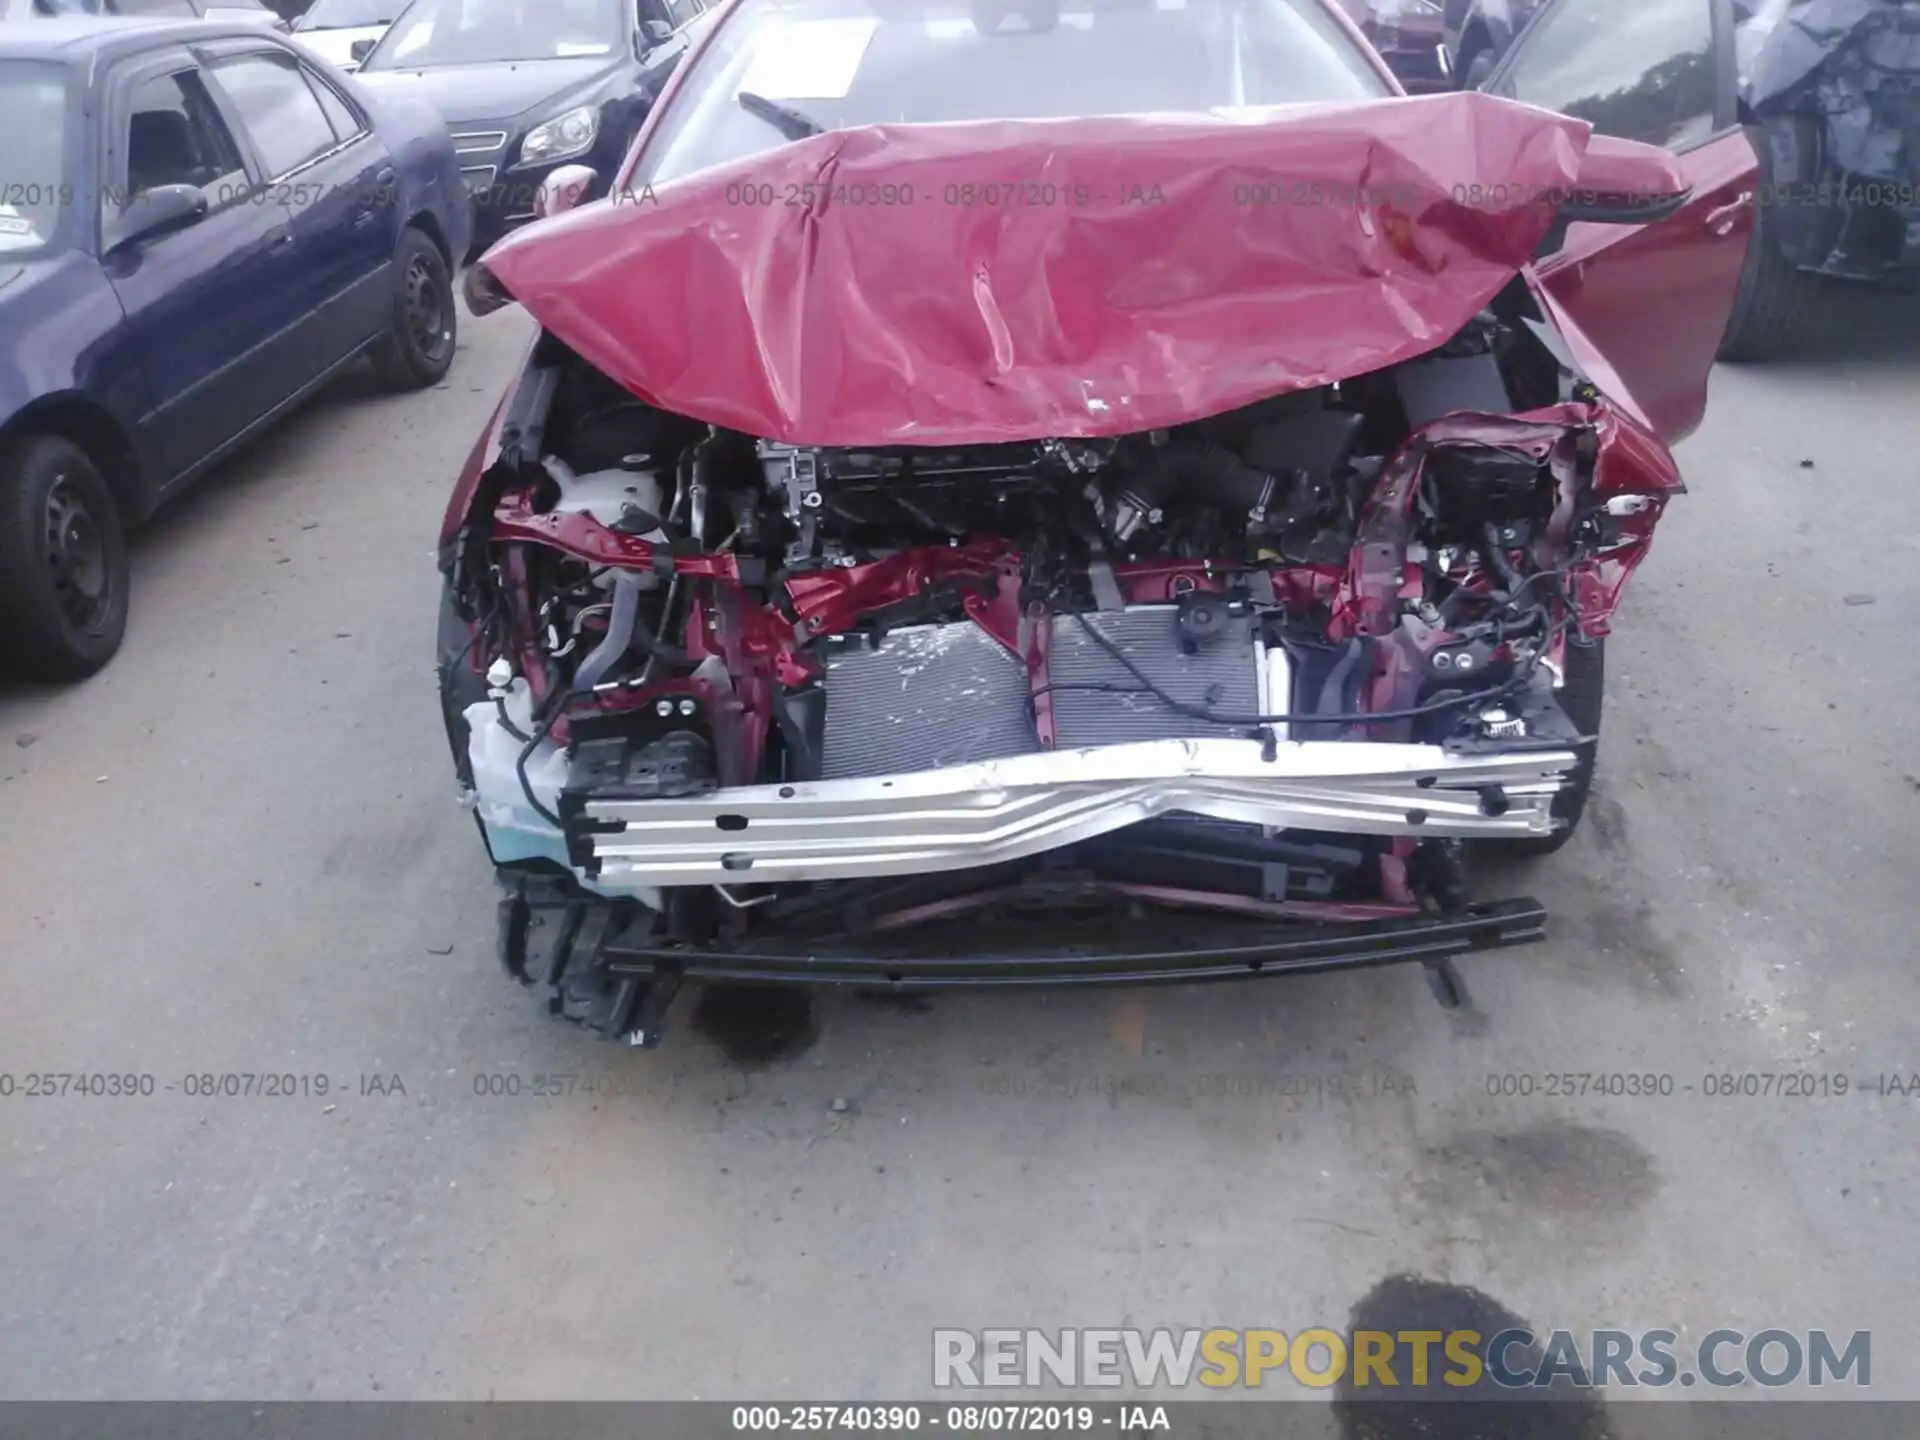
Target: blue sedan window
(284, 120)
(175, 137)
(345, 123)
(36, 193)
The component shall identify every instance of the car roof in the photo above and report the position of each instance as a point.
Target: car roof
(77, 39)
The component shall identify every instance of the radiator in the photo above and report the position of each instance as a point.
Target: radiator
(933, 696)
(1223, 676)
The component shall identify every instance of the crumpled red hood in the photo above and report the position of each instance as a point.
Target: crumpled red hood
(968, 283)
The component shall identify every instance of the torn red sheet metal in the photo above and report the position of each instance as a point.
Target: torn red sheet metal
(968, 283)
(1629, 466)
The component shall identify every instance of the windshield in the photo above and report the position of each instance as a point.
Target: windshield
(36, 194)
(777, 69)
(489, 32)
(348, 14)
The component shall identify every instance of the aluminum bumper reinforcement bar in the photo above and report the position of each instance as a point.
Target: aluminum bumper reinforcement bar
(999, 810)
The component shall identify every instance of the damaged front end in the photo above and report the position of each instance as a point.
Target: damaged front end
(1220, 696)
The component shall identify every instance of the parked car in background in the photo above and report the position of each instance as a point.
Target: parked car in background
(343, 32)
(1685, 98)
(1829, 91)
(969, 589)
(1834, 89)
(199, 226)
(1410, 36)
(249, 12)
(530, 85)
(1478, 32)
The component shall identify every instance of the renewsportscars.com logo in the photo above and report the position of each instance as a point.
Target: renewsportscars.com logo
(1385, 1360)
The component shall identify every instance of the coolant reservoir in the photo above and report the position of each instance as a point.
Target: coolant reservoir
(610, 496)
(515, 830)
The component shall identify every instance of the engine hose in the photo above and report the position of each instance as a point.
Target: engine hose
(624, 633)
(660, 654)
(1497, 558)
(1215, 473)
(621, 625)
(1334, 691)
(506, 724)
(658, 649)
(520, 766)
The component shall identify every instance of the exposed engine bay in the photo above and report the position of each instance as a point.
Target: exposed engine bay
(1277, 663)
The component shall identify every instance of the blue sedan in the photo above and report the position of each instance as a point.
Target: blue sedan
(199, 227)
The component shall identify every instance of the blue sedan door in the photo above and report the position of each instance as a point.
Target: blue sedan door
(326, 164)
(207, 305)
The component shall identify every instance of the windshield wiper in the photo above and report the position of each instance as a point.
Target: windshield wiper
(784, 118)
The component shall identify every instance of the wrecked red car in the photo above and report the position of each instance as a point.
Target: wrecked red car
(1063, 494)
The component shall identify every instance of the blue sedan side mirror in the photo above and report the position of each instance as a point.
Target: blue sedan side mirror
(158, 210)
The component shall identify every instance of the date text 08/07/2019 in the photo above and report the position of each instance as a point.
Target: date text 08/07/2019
(1711, 1084)
(195, 1085)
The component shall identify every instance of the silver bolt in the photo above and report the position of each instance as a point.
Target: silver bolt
(812, 500)
(663, 708)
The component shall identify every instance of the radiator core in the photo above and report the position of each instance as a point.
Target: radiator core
(931, 696)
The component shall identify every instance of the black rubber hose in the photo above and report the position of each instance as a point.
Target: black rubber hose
(624, 632)
(1497, 558)
(658, 648)
(500, 709)
(520, 765)
(621, 625)
(1214, 473)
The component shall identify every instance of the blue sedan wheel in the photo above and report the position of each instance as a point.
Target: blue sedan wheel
(418, 349)
(63, 562)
